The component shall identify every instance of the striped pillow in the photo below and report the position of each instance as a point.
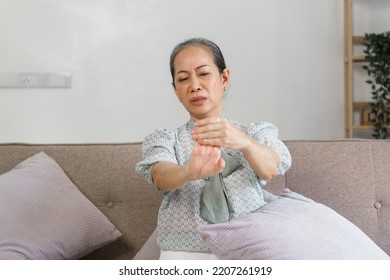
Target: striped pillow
(43, 215)
(291, 227)
(150, 250)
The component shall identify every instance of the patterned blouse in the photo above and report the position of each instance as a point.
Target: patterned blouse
(179, 214)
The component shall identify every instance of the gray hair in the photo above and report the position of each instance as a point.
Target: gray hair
(201, 42)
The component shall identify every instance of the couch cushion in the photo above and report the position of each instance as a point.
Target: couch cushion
(150, 250)
(44, 215)
(291, 227)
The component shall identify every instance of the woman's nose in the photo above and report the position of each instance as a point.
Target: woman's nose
(195, 85)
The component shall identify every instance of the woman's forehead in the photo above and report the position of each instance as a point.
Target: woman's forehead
(193, 57)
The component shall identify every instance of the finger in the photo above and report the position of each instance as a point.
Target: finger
(210, 127)
(206, 150)
(208, 121)
(212, 142)
(208, 135)
(220, 165)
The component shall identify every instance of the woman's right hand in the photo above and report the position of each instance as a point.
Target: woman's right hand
(205, 161)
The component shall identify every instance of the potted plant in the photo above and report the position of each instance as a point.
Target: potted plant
(377, 55)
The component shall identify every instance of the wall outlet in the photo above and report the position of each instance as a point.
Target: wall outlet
(30, 80)
(35, 80)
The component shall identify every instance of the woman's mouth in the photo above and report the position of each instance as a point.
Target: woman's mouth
(198, 100)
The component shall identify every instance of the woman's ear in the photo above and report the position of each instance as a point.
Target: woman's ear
(226, 77)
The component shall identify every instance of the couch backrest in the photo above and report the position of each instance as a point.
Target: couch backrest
(350, 176)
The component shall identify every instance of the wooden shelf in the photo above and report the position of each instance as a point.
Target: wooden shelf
(364, 110)
(363, 127)
(350, 58)
(358, 39)
(358, 58)
(364, 105)
(361, 105)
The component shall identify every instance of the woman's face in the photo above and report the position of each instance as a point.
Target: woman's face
(198, 83)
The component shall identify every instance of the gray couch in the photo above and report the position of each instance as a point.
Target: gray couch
(349, 176)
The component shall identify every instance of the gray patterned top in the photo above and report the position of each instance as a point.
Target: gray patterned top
(179, 216)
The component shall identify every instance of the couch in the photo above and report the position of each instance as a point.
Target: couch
(349, 176)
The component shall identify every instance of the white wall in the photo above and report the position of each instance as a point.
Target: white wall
(286, 60)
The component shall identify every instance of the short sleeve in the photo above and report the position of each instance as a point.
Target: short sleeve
(158, 146)
(268, 134)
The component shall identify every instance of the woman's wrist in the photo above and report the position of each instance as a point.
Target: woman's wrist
(247, 145)
(187, 174)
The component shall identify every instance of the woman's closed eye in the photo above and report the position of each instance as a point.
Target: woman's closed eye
(182, 79)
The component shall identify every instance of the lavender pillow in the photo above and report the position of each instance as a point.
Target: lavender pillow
(291, 227)
(43, 215)
(150, 250)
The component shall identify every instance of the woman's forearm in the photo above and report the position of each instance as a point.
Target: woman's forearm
(263, 159)
(169, 176)
(205, 161)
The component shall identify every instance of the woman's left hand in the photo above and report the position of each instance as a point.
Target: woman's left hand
(220, 132)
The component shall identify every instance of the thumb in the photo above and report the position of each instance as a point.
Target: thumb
(220, 165)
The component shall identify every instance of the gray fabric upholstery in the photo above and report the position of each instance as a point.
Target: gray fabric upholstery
(44, 216)
(105, 175)
(349, 176)
(150, 250)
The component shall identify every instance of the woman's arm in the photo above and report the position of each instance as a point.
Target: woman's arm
(169, 176)
(263, 159)
(205, 161)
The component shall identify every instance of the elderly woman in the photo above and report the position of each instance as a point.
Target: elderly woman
(211, 169)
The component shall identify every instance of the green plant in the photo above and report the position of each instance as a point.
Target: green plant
(377, 54)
